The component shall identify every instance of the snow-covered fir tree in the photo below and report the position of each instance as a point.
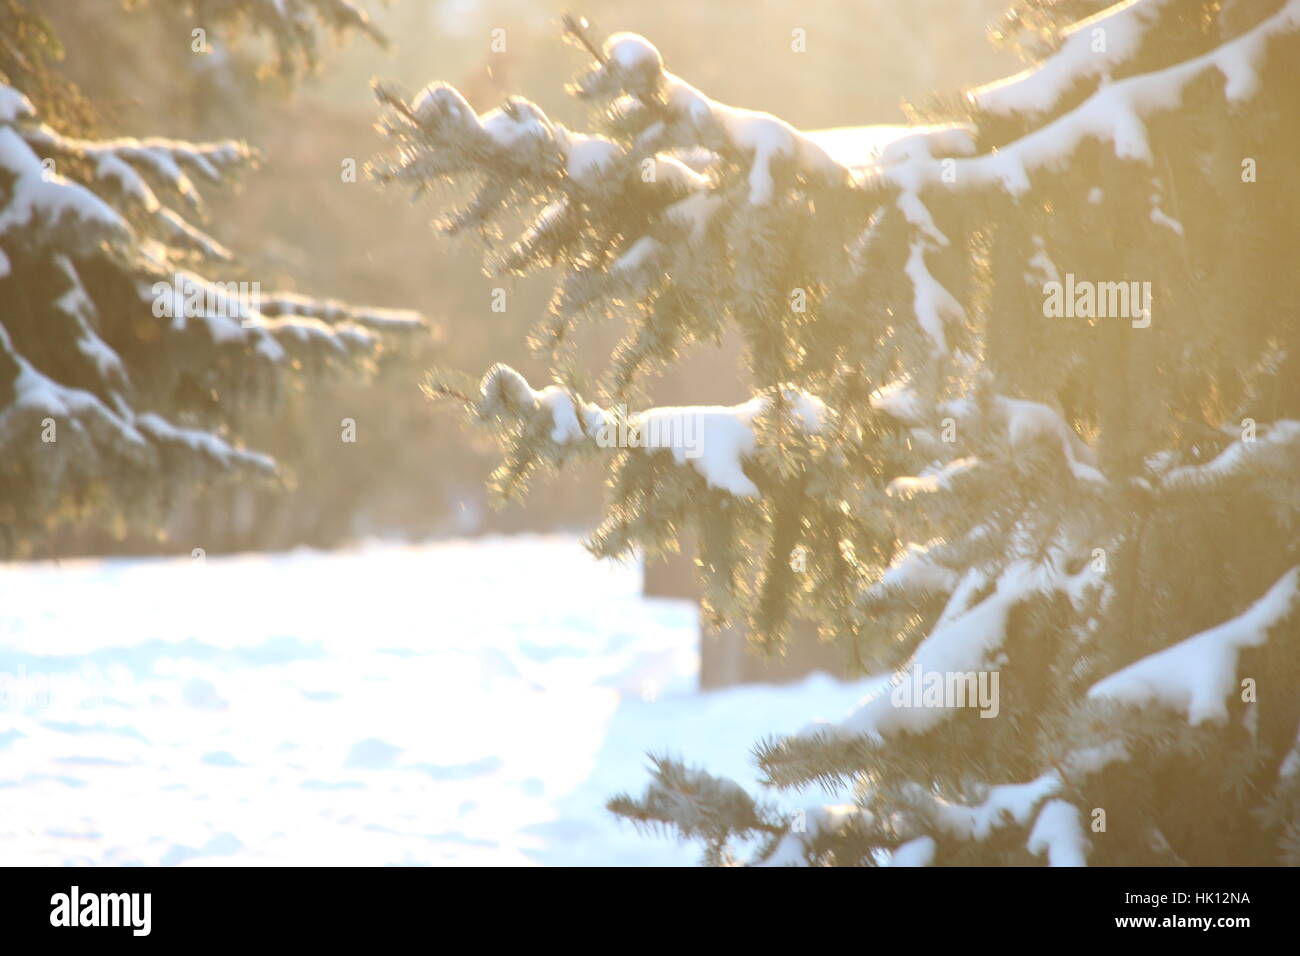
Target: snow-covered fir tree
(131, 343)
(1026, 409)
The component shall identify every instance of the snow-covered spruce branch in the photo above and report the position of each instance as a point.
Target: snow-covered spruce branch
(695, 805)
(71, 195)
(1273, 449)
(439, 134)
(913, 835)
(721, 451)
(93, 439)
(716, 441)
(717, 471)
(282, 305)
(968, 637)
(294, 27)
(140, 168)
(1193, 678)
(1016, 422)
(663, 112)
(1197, 676)
(137, 175)
(1117, 114)
(722, 447)
(96, 264)
(44, 211)
(1076, 62)
(271, 328)
(50, 212)
(679, 185)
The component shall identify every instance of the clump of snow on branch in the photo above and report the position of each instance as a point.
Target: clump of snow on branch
(1115, 113)
(1038, 89)
(964, 642)
(918, 852)
(1197, 675)
(794, 846)
(1059, 832)
(633, 64)
(714, 439)
(1278, 443)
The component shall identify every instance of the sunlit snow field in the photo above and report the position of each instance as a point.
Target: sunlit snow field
(455, 703)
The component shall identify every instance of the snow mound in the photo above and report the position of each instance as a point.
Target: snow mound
(380, 706)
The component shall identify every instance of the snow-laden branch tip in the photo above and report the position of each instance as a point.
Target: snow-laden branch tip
(1028, 421)
(1197, 675)
(1272, 444)
(1025, 423)
(118, 431)
(202, 444)
(932, 303)
(1012, 804)
(1038, 89)
(1022, 422)
(44, 209)
(918, 852)
(37, 395)
(792, 850)
(714, 439)
(276, 305)
(914, 572)
(931, 479)
(1059, 833)
(634, 65)
(1115, 113)
(963, 643)
(167, 163)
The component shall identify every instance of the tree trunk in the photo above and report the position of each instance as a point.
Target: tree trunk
(726, 659)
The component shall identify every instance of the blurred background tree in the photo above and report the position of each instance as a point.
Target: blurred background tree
(136, 346)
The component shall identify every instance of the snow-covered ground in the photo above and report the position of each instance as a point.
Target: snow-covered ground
(453, 703)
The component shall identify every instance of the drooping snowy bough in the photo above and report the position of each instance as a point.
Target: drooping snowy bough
(131, 342)
(1064, 531)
